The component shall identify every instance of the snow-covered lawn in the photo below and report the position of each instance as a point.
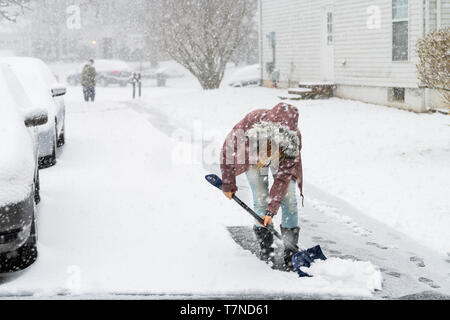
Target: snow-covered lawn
(126, 210)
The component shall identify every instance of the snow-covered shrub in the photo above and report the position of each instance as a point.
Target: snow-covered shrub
(434, 64)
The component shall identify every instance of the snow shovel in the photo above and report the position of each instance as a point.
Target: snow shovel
(302, 258)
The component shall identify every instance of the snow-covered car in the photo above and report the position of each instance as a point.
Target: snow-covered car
(246, 76)
(108, 72)
(44, 91)
(169, 72)
(112, 72)
(74, 79)
(19, 173)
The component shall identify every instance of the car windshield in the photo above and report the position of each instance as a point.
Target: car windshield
(12, 94)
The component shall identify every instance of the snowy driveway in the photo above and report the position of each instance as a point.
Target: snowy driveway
(118, 217)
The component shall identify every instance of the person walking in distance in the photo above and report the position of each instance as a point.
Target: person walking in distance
(88, 81)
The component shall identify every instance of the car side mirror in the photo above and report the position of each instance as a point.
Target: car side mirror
(58, 91)
(36, 117)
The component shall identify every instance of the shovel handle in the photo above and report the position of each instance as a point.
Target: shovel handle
(217, 182)
(261, 221)
(256, 216)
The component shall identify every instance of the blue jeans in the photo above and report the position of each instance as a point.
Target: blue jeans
(259, 183)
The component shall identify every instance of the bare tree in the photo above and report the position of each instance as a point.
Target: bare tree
(202, 35)
(434, 65)
(10, 9)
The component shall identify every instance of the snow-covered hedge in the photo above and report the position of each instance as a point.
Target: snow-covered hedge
(434, 65)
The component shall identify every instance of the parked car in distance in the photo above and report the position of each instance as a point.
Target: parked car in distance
(19, 173)
(108, 72)
(74, 79)
(169, 72)
(246, 76)
(44, 91)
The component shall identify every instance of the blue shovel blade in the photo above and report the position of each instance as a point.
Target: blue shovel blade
(305, 258)
(214, 180)
(301, 259)
(316, 253)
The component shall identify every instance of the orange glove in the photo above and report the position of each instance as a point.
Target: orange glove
(267, 220)
(229, 195)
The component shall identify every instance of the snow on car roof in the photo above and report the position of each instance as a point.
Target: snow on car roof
(35, 77)
(108, 65)
(16, 156)
(246, 73)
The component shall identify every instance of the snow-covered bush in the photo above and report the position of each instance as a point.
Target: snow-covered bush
(434, 65)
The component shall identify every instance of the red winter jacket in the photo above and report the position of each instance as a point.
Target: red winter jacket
(235, 164)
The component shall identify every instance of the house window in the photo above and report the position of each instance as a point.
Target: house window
(397, 95)
(400, 32)
(329, 28)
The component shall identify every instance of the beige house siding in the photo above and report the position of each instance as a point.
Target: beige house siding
(368, 52)
(362, 55)
(445, 13)
(433, 13)
(297, 35)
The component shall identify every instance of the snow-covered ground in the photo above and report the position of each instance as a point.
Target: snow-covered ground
(127, 210)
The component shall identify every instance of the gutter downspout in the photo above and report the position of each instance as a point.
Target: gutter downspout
(426, 31)
(261, 62)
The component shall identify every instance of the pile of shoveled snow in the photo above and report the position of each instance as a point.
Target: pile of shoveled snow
(336, 271)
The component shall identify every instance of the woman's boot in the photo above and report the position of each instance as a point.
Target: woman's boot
(292, 236)
(265, 239)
